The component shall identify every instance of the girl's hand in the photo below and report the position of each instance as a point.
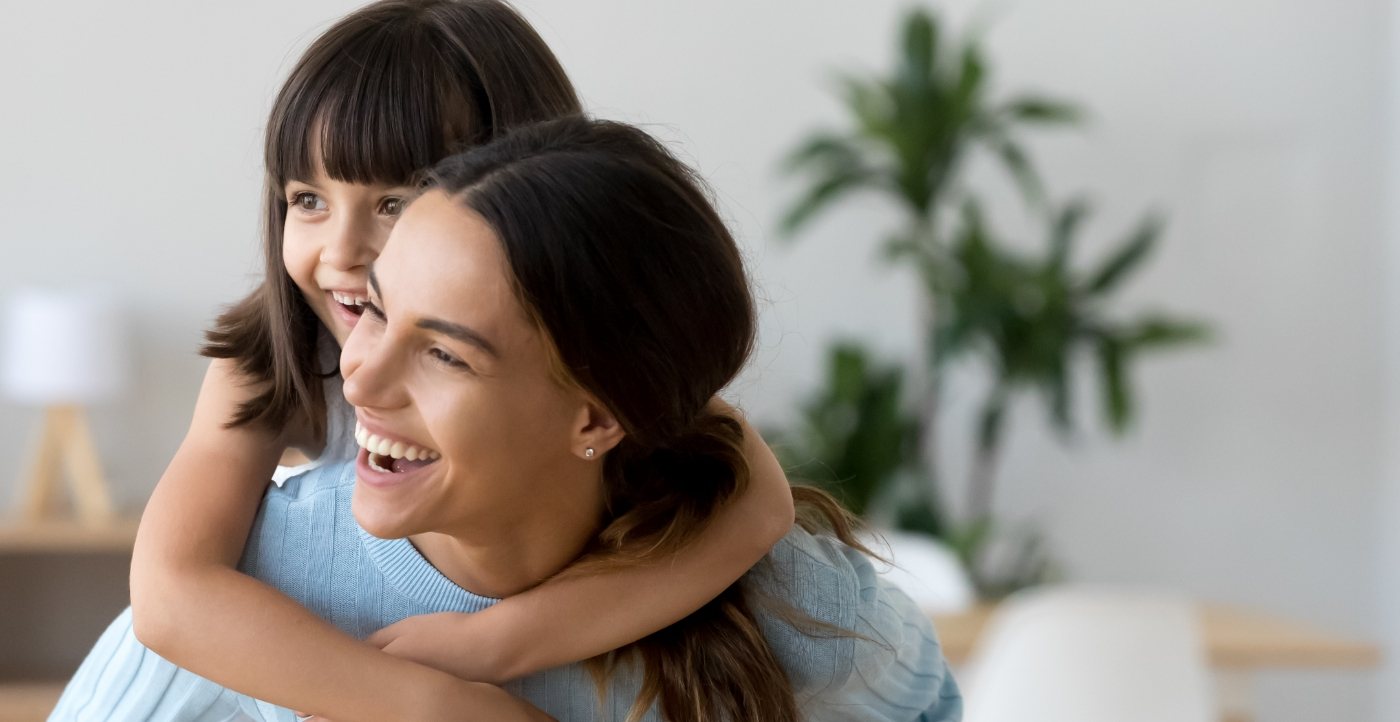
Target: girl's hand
(453, 642)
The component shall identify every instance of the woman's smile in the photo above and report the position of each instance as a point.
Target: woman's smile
(387, 461)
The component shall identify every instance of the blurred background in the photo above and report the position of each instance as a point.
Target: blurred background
(1257, 470)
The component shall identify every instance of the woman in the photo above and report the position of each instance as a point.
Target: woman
(545, 327)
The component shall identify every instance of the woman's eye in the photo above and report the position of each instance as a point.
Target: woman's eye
(308, 201)
(448, 359)
(373, 311)
(391, 207)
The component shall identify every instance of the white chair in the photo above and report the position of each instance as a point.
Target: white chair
(1090, 654)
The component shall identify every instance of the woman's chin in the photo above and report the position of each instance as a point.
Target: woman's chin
(379, 521)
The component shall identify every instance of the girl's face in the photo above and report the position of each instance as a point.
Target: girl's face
(334, 230)
(445, 363)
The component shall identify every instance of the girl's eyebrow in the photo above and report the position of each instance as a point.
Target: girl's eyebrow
(465, 334)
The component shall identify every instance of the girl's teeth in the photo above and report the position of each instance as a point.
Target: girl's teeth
(346, 299)
(393, 449)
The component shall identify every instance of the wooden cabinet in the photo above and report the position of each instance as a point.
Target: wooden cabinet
(61, 584)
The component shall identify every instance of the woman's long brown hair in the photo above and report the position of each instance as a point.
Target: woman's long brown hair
(379, 97)
(639, 288)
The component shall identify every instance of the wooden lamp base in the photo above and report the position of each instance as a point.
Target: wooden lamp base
(66, 441)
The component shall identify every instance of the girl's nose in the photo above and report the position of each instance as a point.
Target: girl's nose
(351, 244)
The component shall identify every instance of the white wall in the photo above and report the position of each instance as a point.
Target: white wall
(1388, 509)
(129, 154)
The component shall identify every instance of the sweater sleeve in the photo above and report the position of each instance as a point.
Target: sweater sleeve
(122, 680)
(898, 673)
(886, 666)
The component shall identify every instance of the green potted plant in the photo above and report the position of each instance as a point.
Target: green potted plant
(1025, 320)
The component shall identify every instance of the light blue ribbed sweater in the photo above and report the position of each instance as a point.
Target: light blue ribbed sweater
(306, 543)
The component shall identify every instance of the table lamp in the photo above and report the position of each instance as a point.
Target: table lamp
(63, 351)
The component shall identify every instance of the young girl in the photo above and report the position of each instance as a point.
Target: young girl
(383, 94)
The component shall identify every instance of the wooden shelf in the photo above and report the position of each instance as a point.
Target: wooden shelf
(28, 701)
(67, 536)
(1234, 639)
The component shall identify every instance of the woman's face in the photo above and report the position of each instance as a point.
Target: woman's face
(333, 232)
(445, 364)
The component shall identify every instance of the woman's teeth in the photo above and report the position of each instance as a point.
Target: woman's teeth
(346, 299)
(374, 444)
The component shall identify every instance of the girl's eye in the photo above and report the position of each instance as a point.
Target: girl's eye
(448, 359)
(391, 207)
(308, 201)
(373, 311)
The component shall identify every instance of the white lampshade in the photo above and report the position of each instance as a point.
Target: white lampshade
(63, 347)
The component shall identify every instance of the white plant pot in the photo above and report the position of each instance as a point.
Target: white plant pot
(924, 568)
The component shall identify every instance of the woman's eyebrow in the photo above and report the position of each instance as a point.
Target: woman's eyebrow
(465, 334)
(460, 332)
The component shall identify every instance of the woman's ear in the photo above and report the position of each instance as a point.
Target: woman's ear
(597, 430)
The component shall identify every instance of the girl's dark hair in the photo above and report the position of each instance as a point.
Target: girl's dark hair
(639, 290)
(382, 95)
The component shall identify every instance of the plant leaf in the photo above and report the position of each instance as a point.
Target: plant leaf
(1157, 331)
(991, 421)
(870, 102)
(970, 76)
(1058, 393)
(967, 540)
(1117, 403)
(1062, 233)
(1042, 111)
(837, 183)
(1020, 168)
(823, 150)
(920, 50)
(1122, 262)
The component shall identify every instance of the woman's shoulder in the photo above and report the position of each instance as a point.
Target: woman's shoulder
(817, 574)
(857, 647)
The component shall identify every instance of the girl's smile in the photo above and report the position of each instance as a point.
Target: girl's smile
(347, 305)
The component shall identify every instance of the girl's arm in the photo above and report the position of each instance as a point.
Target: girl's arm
(191, 606)
(574, 618)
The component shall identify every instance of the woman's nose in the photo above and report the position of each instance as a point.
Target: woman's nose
(369, 366)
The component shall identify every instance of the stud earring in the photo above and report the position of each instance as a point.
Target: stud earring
(588, 453)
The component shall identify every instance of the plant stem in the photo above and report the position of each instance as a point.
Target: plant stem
(982, 486)
(928, 431)
(927, 435)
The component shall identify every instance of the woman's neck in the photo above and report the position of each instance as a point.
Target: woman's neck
(504, 557)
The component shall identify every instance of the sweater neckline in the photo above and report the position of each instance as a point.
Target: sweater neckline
(411, 574)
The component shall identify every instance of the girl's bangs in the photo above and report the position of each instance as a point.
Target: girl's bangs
(372, 114)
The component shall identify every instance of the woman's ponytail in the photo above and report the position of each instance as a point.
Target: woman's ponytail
(660, 498)
(715, 665)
